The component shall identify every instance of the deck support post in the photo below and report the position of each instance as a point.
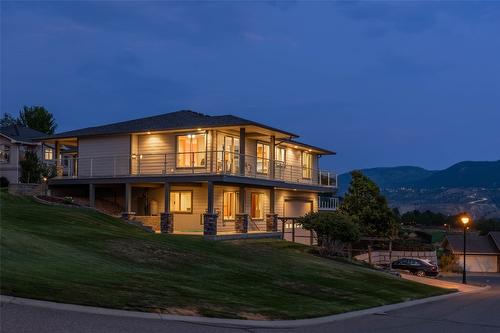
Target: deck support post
(272, 156)
(128, 214)
(167, 218)
(91, 195)
(59, 171)
(242, 150)
(210, 217)
(272, 217)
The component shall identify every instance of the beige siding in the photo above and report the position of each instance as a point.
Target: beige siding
(193, 221)
(282, 195)
(104, 156)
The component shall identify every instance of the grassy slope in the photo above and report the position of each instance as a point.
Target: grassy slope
(81, 256)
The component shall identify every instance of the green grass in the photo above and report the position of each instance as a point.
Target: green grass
(80, 256)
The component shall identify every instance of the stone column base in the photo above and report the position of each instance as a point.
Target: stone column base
(241, 223)
(128, 215)
(167, 223)
(271, 222)
(210, 224)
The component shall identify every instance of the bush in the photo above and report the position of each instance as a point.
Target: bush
(31, 168)
(334, 230)
(68, 200)
(4, 182)
(449, 263)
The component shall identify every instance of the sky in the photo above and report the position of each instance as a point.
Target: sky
(380, 83)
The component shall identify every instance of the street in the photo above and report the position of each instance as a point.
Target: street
(478, 312)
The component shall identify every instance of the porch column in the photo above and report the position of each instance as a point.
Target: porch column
(272, 156)
(241, 223)
(58, 159)
(272, 217)
(210, 217)
(128, 214)
(91, 195)
(242, 150)
(167, 218)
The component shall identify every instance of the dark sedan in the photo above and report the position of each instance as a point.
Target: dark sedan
(418, 267)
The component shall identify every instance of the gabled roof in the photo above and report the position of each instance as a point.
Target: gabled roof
(184, 119)
(476, 244)
(22, 134)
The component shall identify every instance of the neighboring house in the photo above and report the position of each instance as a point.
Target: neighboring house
(483, 252)
(15, 141)
(199, 173)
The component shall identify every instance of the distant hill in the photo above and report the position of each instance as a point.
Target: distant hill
(465, 186)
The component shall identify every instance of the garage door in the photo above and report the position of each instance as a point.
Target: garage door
(296, 207)
(480, 263)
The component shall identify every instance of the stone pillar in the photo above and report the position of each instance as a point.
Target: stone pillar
(210, 224)
(271, 222)
(128, 215)
(241, 223)
(242, 150)
(167, 223)
(91, 195)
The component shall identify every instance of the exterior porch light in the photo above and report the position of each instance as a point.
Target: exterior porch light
(198, 129)
(465, 220)
(148, 132)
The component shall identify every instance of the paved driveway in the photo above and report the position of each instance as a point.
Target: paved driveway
(479, 312)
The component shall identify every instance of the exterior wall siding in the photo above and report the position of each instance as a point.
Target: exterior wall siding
(282, 195)
(113, 152)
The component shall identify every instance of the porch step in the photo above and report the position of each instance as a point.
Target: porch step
(139, 224)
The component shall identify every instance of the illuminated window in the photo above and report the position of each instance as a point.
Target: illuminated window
(181, 201)
(280, 155)
(191, 150)
(48, 153)
(230, 200)
(262, 157)
(4, 154)
(257, 206)
(306, 165)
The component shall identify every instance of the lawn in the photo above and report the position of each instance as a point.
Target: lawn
(80, 256)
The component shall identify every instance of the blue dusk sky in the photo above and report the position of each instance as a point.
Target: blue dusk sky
(381, 83)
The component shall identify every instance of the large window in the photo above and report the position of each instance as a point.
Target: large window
(191, 151)
(280, 155)
(306, 165)
(4, 154)
(262, 157)
(257, 206)
(230, 205)
(48, 153)
(181, 201)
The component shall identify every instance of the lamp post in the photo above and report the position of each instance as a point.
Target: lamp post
(465, 220)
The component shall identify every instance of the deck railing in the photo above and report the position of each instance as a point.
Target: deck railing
(328, 203)
(209, 162)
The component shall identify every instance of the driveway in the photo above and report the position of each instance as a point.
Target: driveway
(478, 312)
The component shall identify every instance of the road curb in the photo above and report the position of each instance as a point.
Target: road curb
(227, 322)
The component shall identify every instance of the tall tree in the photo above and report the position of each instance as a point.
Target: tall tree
(369, 207)
(7, 120)
(38, 118)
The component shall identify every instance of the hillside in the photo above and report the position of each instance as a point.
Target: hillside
(466, 186)
(75, 255)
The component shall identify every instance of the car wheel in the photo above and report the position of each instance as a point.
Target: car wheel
(420, 273)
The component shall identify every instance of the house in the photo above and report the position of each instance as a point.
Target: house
(15, 141)
(187, 172)
(483, 252)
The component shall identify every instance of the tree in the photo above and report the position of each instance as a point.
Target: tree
(7, 120)
(334, 230)
(38, 118)
(364, 202)
(31, 168)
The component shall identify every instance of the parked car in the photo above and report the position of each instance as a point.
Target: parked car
(419, 267)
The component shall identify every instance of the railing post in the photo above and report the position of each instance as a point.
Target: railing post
(139, 165)
(283, 229)
(320, 179)
(114, 166)
(192, 162)
(91, 167)
(328, 179)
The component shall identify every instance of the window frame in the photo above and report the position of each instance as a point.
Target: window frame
(263, 159)
(47, 150)
(262, 198)
(3, 149)
(181, 211)
(177, 153)
(304, 168)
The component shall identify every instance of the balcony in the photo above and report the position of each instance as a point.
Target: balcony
(206, 163)
(328, 203)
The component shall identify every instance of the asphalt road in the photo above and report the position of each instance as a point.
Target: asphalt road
(479, 312)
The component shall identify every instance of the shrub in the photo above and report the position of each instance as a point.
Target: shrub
(31, 168)
(449, 263)
(334, 230)
(68, 200)
(4, 182)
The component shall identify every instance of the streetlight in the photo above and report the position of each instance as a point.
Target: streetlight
(464, 219)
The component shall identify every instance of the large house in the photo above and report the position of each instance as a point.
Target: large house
(186, 172)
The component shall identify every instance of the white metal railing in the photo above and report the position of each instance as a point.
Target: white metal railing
(328, 203)
(208, 162)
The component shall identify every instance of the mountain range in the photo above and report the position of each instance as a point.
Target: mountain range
(472, 186)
